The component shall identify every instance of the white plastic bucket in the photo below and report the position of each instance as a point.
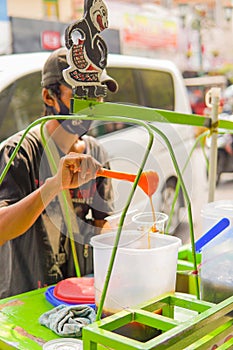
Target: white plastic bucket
(139, 273)
(214, 211)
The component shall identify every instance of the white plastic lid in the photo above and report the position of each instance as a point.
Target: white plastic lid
(64, 344)
(218, 209)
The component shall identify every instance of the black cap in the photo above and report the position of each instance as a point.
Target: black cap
(57, 62)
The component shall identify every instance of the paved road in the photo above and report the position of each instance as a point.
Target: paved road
(199, 196)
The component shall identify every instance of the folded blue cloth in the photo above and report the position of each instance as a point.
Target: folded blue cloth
(68, 321)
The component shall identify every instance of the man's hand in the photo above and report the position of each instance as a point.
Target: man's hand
(76, 169)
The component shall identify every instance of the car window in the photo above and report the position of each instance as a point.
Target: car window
(128, 92)
(20, 104)
(158, 89)
(146, 87)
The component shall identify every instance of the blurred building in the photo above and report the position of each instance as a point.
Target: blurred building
(135, 28)
(5, 41)
(40, 26)
(175, 29)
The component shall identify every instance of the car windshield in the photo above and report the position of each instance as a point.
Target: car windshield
(20, 104)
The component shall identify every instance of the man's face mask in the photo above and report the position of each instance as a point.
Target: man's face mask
(73, 126)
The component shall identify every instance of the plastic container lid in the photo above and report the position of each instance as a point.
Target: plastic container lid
(63, 344)
(49, 295)
(218, 209)
(77, 290)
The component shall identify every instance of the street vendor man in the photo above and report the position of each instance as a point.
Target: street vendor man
(35, 249)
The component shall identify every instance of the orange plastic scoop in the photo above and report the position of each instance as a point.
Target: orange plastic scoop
(149, 180)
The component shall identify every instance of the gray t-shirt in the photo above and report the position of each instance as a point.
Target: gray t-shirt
(42, 255)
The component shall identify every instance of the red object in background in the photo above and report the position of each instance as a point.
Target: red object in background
(50, 40)
(199, 108)
(198, 102)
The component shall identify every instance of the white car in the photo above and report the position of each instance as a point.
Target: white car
(142, 81)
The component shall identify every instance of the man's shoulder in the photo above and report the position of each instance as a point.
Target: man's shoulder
(92, 141)
(90, 138)
(11, 140)
(32, 136)
(95, 148)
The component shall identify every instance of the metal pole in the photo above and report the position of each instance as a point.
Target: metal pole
(212, 101)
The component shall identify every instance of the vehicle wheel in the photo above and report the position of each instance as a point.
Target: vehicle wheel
(168, 194)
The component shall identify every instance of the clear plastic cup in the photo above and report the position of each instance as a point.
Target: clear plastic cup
(145, 221)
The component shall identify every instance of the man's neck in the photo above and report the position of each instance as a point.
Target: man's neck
(66, 141)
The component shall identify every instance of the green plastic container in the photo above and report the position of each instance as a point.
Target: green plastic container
(185, 279)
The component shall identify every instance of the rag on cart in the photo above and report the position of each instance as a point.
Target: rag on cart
(68, 320)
